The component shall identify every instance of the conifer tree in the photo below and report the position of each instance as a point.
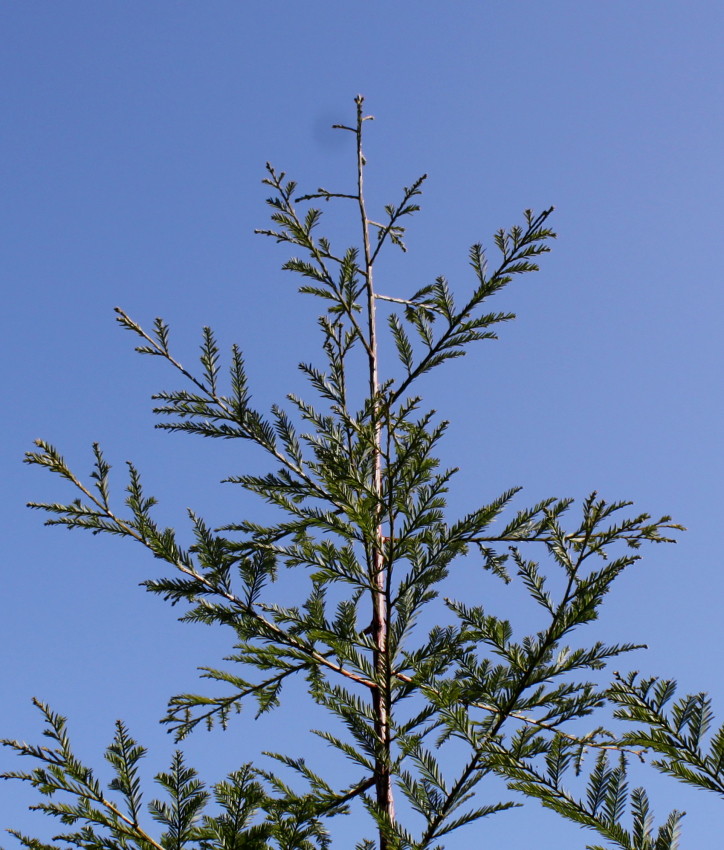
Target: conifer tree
(361, 505)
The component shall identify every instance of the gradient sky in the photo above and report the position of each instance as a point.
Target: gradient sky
(134, 137)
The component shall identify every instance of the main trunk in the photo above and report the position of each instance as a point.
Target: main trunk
(376, 548)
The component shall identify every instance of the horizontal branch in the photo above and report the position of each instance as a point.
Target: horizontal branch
(580, 538)
(408, 303)
(280, 634)
(358, 789)
(532, 721)
(325, 195)
(125, 320)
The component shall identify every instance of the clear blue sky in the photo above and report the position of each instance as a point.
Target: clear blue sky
(134, 137)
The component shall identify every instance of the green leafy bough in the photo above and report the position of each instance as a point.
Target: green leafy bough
(361, 501)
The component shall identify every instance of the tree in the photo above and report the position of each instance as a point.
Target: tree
(361, 500)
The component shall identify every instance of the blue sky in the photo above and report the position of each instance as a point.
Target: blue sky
(133, 144)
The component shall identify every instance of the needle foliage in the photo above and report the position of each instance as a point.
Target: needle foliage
(360, 499)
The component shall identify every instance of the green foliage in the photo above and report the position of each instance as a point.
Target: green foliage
(679, 737)
(604, 805)
(362, 512)
(251, 811)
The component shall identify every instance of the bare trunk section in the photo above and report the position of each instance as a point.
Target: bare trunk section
(380, 613)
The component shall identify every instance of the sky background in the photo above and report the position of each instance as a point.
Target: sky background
(134, 137)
